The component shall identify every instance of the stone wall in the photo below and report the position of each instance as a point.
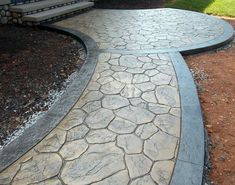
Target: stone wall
(7, 17)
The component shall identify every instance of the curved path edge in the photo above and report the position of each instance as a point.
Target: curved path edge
(190, 161)
(35, 133)
(218, 42)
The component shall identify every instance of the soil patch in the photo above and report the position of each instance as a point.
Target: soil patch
(34, 66)
(214, 74)
(130, 4)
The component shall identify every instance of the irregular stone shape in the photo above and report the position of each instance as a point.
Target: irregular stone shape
(151, 72)
(106, 73)
(96, 76)
(146, 180)
(130, 91)
(100, 136)
(41, 167)
(77, 133)
(123, 77)
(158, 108)
(54, 181)
(102, 67)
(162, 171)
(149, 96)
(97, 163)
(139, 102)
(176, 112)
(144, 59)
(148, 66)
(118, 68)
(92, 106)
(174, 82)
(74, 118)
(113, 87)
(166, 69)
(130, 143)
(160, 62)
(8, 174)
(114, 61)
(146, 130)
(168, 95)
(161, 79)
(90, 96)
(164, 56)
(154, 56)
(115, 55)
(73, 149)
(100, 118)
(114, 102)
(104, 80)
(138, 165)
(135, 70)
(168, 123)
(147, 86)
(93, 86)
(52, 142)
(130, 61)
(121, 126)
(120, 178)
(104, 57)
(140, 78)
(160, 146)
(136, 115)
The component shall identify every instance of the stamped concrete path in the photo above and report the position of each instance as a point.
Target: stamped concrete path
(127, 126)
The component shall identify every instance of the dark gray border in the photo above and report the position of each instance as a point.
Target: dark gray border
(56, 113)
(190, 161)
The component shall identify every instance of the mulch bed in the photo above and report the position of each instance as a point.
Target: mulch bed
(33, 63)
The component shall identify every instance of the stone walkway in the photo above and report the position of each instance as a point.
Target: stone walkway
(126, 127)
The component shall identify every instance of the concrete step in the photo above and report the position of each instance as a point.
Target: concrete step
(37, 17)
(3, 2)
(40, 5)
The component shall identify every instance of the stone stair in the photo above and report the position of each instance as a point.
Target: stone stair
(46, 10)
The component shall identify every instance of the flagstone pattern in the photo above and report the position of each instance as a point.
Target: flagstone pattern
(126, 131)
(145, 29)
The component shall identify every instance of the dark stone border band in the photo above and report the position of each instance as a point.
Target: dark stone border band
(189, 168)
(58, 111)
(190, 160)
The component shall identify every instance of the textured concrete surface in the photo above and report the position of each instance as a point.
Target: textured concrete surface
(146, 29)
(128, 125)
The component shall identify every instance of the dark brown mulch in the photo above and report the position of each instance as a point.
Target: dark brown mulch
(32, 63)
(129, 4)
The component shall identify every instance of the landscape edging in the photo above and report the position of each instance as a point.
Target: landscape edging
(39, 130)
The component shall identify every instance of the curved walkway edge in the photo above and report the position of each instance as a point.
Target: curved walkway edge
(188, 154)
(190, 162)
(57, 112)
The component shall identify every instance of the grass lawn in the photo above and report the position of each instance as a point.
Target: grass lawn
(215, 7)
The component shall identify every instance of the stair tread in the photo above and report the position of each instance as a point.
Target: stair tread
(37, 5)
(3, 2)
(57, 11)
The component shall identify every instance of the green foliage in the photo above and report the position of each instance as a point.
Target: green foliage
(216, 7)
